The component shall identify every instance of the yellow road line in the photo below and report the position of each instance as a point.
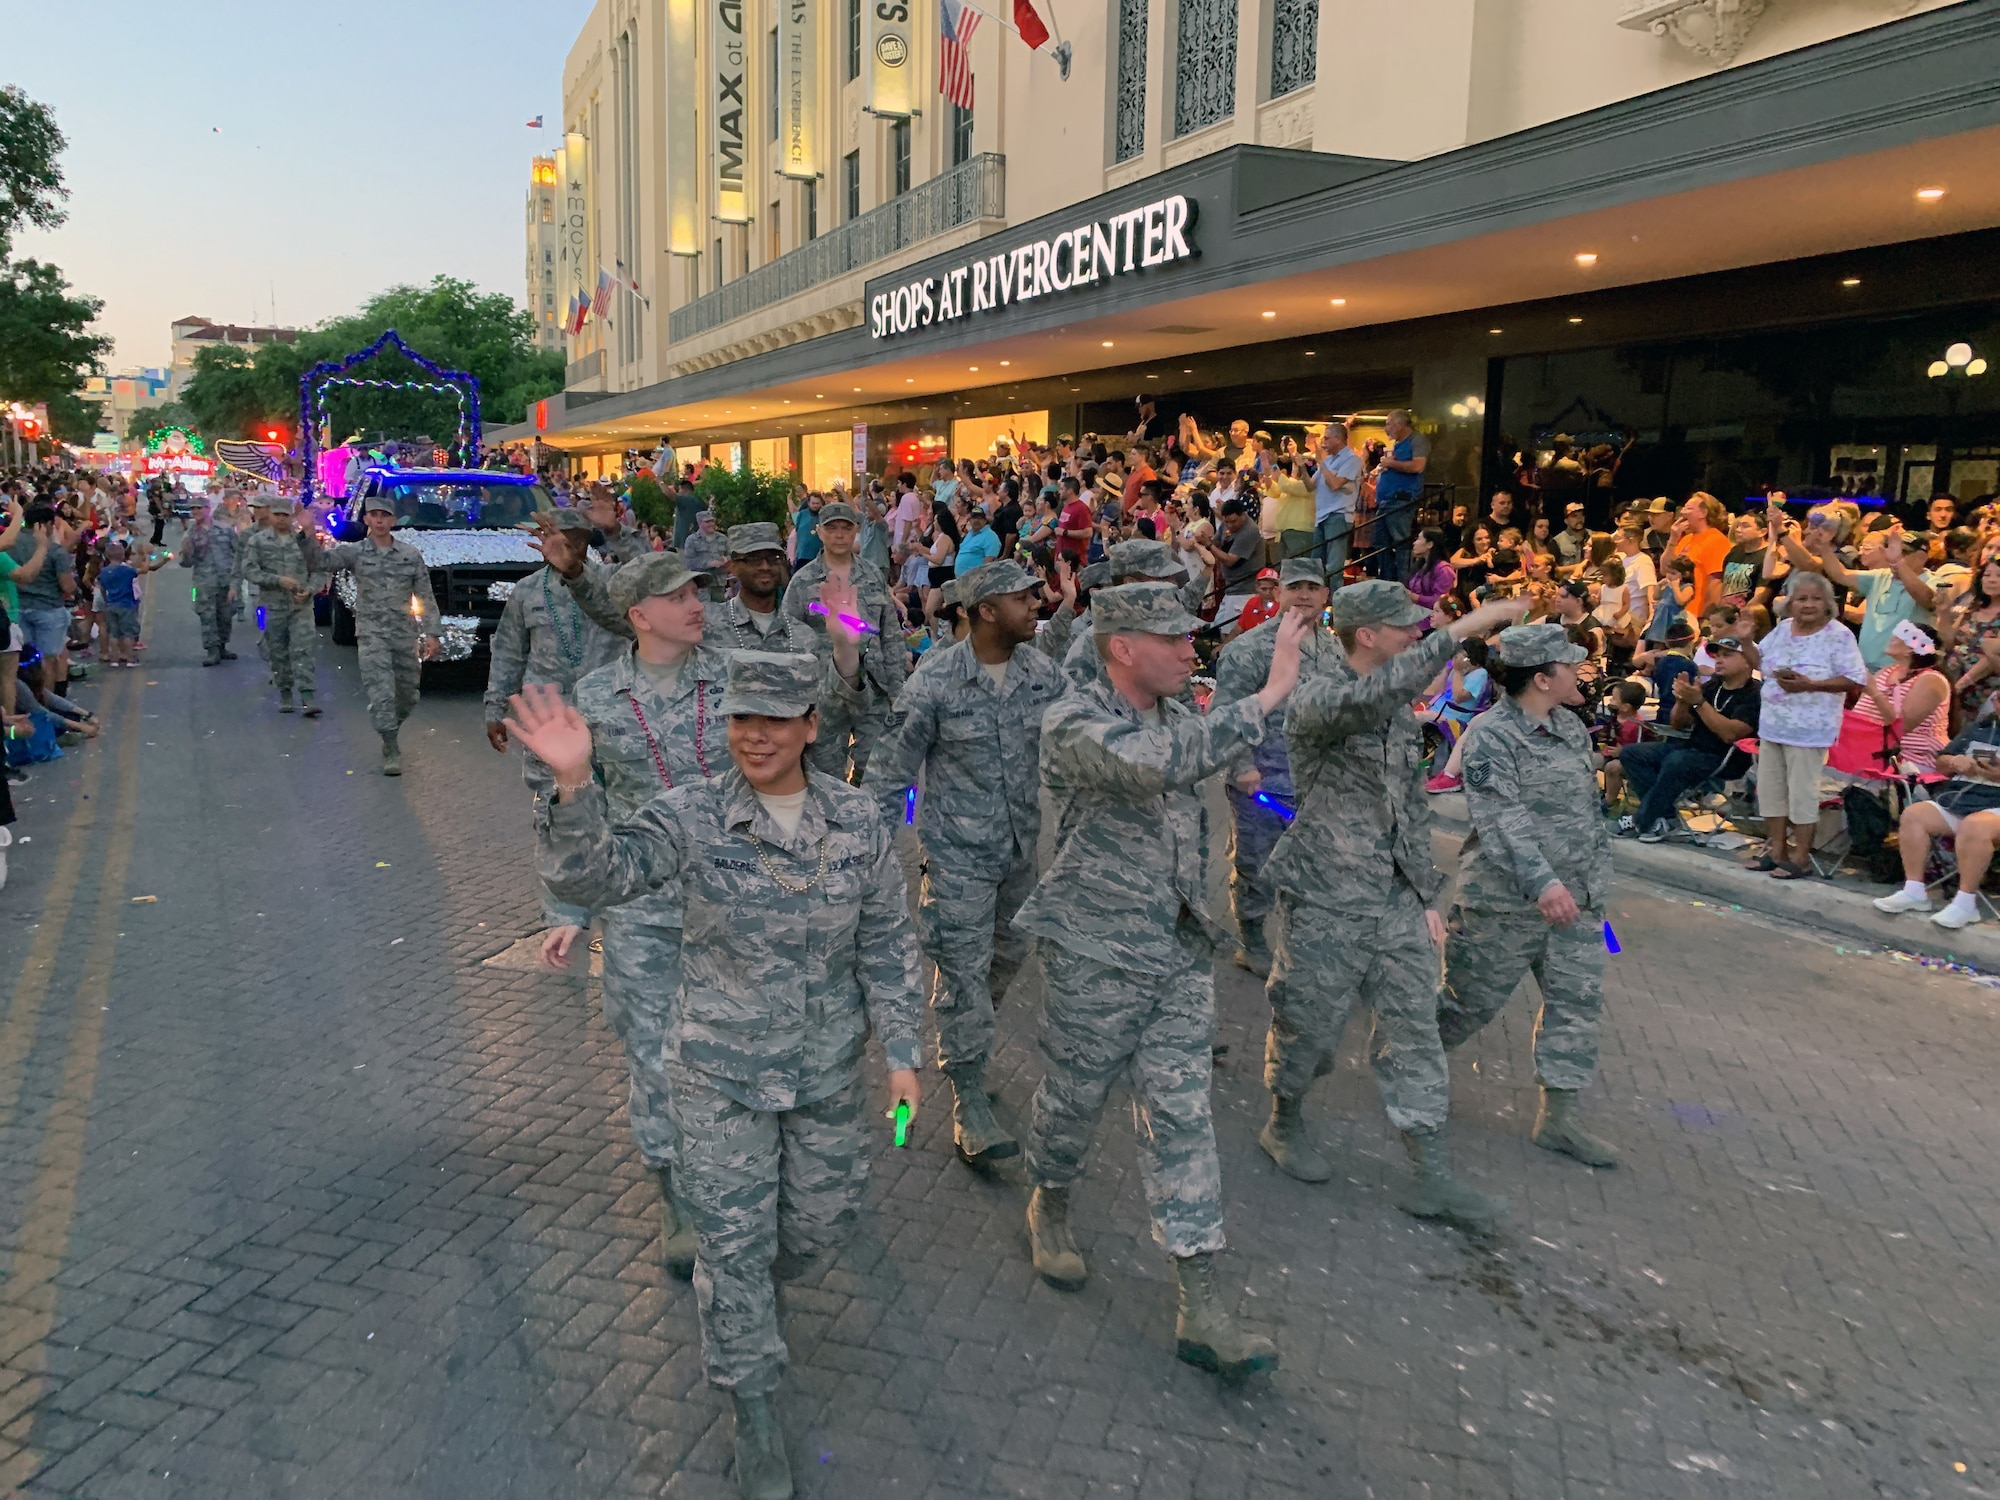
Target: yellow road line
(28, 1295)
(24, 1010)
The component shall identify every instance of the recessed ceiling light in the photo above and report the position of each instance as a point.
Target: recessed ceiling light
(1107, 343)
(1187, 372)
(1005, 362)
(1311, 352)
(1851, 281)
(909, 380)
(1339, 301)
(1152, 377)
(819, 398)
(1270, 315)
(1586, 258)
(857, 390)
(1576, 320)
(1492, 330)
(972, 367)
(1929, 195)
(1074, 389)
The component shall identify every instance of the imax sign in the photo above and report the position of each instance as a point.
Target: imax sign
(1139, 240)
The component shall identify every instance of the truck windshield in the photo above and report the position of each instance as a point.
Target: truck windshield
(431, 505)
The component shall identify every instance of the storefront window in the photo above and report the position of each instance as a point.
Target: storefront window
(1204, 64)
(1294, 44)
(1841, 410)
(828, 458)
(981, 437)
(1131, 125)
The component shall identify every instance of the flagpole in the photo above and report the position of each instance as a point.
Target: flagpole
(1058, 49)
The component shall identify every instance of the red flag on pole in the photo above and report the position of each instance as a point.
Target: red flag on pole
(1033, 32)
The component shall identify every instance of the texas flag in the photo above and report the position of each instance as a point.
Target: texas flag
(1033, 32)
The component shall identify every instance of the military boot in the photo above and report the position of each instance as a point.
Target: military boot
(1208, 1337)
(1254, 953)
(213, 659)
(762, 1470)
(227, 654)
(1557, 1129)
(676, 1228)
(1284, 1141)
(1057, 1259)
(1435, 1194)
(975, 1134)
(284, 700)
(392, 755)
(307, 707)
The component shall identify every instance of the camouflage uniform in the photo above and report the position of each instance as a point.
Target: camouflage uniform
(1531, 789)
(778, 995)
(884, 662)
(635, 728)
(1125, 562)
(980, 816)
(544, 637)
(1240, 671)
(707, 552)
(1354, 875)
(211, 551)
(289, 633)
(623, 545)
(1127, 943)
(385, 581)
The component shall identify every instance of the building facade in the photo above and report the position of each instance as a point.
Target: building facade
(119, 396)
(1518, 218)
(546, 302)
(192, 335)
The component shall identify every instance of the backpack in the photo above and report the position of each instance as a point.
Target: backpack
(1868, 827)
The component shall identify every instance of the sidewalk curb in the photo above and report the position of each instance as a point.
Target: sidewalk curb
(1811, 903)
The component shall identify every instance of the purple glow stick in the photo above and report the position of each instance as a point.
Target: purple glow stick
(853, 622)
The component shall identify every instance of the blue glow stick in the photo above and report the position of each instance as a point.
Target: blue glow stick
(260, 617)
(1610, 938)
(910, 805)
(1265, 799)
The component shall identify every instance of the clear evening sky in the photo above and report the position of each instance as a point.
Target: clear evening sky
(360, 145)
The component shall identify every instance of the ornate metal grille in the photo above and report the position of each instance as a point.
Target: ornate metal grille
(1205, 69)
(1294, 44)
(1131, 128)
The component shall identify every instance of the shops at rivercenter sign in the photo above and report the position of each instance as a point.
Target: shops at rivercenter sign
(1124, 244)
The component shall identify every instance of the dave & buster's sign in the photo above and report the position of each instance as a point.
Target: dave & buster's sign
(1137, 240)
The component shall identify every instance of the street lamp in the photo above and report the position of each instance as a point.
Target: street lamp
(1958, 357)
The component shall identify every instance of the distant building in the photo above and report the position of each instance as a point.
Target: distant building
(544, 298)
(192, 335)
(118, 396)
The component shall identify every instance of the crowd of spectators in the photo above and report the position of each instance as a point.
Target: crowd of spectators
(74, 552)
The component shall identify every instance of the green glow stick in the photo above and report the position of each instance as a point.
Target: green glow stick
(903, 1122)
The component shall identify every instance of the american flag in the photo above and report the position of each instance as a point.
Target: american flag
(956, 23)
(601, 303)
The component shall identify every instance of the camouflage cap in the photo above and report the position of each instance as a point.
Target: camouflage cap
(755, 536)
(1095, 575)
(1535, 646)
(839, 510)
(774, 684)
(1375, 601)
(1140, 609)
(649, 574)
(378, 502)
(568, 518)
(1001, 576)
(1139, 558)
(1300, 570)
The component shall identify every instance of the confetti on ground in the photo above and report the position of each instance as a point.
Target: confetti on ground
(144, 900)
(394, 941)
(381, 864)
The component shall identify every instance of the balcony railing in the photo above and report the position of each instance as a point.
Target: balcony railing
(976, 189)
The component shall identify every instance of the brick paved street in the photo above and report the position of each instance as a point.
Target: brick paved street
(300, 1196)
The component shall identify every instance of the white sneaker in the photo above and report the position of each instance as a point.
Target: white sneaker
(1953, 917)
(1903, 901)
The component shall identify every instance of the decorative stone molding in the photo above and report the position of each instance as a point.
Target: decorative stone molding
(1712, 29)
(1287, 121)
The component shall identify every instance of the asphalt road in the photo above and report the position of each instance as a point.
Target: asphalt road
(301, 1195)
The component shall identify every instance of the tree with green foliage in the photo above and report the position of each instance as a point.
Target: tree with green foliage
(47, 351)
(449, 322)
(31, 185)
(148, 420)
(650, 503)
(745, 494)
